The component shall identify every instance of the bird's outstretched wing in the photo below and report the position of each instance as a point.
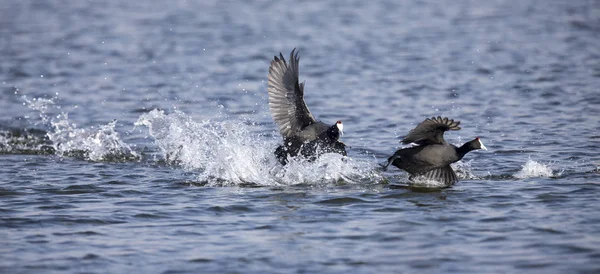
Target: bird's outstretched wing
(286, 96)
(431, 131)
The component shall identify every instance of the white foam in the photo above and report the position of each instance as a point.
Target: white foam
(98, 144)
(228, 153)
(464, 170)
(94, 144)
(534, 169)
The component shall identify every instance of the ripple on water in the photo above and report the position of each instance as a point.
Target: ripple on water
(9, 192)
(80, 189)
(57, 206)
(342, 201)
(230, 209)
(76, 233)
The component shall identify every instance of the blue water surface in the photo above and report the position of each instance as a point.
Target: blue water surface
(135, 137)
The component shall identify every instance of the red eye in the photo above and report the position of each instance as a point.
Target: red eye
(338, 122)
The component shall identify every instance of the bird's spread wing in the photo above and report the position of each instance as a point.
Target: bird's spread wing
(286, 96)
(431, 131)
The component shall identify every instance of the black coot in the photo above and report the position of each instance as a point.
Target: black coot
(432, 156)
(302, 134)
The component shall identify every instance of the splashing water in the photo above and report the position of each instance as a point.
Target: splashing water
(41, 105)
(464, 171)
(100, 144)
(28, 141)
(533, 169)
(228, 152)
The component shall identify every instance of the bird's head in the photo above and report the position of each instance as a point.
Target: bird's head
(340, 127)
(477, 144)
(335, 131)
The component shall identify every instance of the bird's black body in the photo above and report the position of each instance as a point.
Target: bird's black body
(302, 133)
(309, 150)
(432, 156)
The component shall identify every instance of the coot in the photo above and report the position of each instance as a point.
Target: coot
(432, 156)
(302, 133)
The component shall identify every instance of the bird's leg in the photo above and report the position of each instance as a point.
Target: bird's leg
(390, 161)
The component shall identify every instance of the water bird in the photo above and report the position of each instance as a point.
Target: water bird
(430, 159)
(301, 132)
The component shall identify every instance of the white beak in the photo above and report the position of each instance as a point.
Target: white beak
(481, 144)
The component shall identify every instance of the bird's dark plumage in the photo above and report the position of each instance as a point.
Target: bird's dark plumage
(431, 131)
(432, 156)
(302, 133)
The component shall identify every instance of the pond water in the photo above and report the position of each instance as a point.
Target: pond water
(136, 137)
